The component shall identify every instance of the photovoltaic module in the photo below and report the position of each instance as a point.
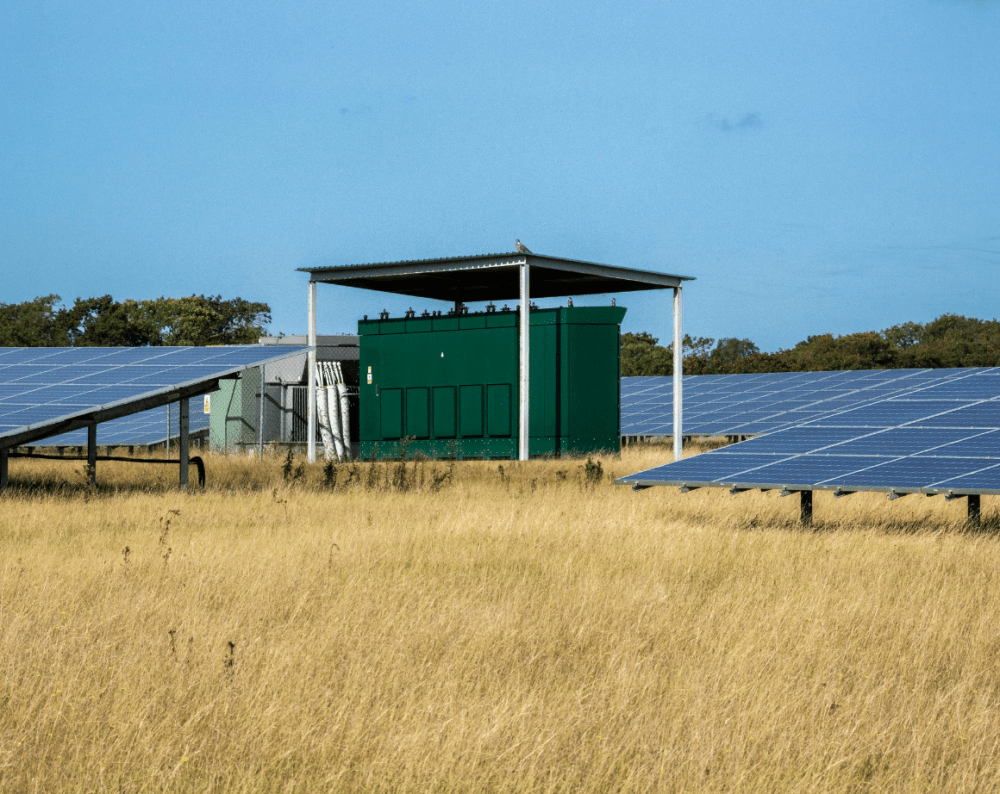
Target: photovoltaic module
(743, 405)
(46, 393)
(925, 431)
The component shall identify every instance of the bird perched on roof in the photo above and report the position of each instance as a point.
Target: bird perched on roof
(521, 248)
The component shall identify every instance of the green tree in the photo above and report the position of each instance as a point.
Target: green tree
(37, 323)
(103, 322)
(641, 355)
(729, 353)
(201, 320)
(196, 320)
(867, 350)
(955, 341)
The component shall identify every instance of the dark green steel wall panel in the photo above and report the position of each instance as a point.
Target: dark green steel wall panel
(498, 410)
(593, 400)
(391, 404)
(450, 383)
(445, 412)
(470, 410)
(418, 412)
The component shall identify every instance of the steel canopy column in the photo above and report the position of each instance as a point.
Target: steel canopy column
(678, 374)
(92, 453)
(184, 410)
(311, 377)
(523, 438)
(3, 469)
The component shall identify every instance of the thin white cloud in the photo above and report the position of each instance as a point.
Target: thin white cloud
(748, 121)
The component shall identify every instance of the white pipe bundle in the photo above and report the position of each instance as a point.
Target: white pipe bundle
(345, 410)
(323, 411)
(333, 403)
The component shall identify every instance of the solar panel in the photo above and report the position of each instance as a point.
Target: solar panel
(51, 392)
(941, 435)
(741, 405)
(141, 429)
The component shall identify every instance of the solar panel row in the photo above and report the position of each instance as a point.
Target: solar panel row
(940, 434)
(142, 429)
(741, 405)
(42, 388)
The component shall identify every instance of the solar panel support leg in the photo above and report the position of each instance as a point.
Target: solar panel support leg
(3, 469)
(92, 454)
(975, 516)
(183, 445)
(806, 508)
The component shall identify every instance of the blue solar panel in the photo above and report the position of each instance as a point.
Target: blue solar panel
(985, 479)
(751, 404)
(707, 468)
(984, 415)
(796, 440)
(899, 441)
(886, 414)
(981, 445)
(804, 470)
(42, 387)
(146, 428)
(938, 430)
(910, 472)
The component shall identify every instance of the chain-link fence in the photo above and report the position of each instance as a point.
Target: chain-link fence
(247, 419)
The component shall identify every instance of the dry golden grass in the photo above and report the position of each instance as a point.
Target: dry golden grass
(519, 632)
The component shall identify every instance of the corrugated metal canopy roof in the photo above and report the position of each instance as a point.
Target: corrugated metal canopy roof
(492, 277)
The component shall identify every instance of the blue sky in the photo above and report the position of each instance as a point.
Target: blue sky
(817, 167)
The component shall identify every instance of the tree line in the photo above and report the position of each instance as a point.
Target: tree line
(105, 322)
(949, 341)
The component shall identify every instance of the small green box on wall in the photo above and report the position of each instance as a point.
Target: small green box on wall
(447, 386)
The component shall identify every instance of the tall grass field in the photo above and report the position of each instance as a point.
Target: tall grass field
(487, 626)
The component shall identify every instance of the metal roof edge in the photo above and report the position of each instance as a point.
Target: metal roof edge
(493, 260)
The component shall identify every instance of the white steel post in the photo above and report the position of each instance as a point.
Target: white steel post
(525, 364)
(678, 374)
(311, 377)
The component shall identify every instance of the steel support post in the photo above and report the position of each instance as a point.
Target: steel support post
(678, 374)
(92, 453)
(183, 448)
(523, 407)
(806, 507)
(975, 514)
(311, 378)
(3, 469)
(286, 433)
(260, 417)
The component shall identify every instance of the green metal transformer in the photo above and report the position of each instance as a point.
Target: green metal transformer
(447, 385)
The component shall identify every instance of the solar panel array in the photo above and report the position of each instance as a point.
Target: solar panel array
(142, 429)
(743, 405)
(43, 387)
(938, 434)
